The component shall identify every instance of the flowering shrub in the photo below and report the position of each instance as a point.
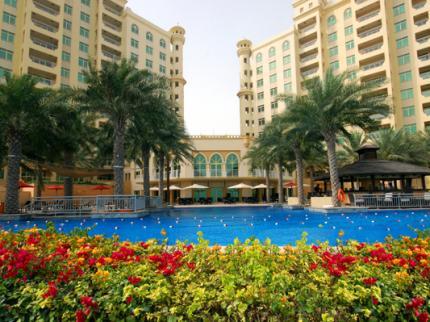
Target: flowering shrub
(51, 276)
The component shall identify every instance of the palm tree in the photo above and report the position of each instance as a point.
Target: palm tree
(334, 104)
(21, 113)
(349, 145)
(114, 92)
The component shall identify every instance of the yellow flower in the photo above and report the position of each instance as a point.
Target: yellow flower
(396, 261)
(81, 240)
(401, 276)
(423, 262)
(81, 260)
(108, 260)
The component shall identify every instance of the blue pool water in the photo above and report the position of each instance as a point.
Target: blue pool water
(223, 225)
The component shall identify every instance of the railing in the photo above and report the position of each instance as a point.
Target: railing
(368, 16)
(360, 1)
(89, 205)
(308, 58)
(111, 40)
(421, 22)
(307, 28)
(392, 200)
(112, 56)
(112, 10)
(111, 25)
(423, 39)
(424, 57)
(309, 72)
(419, 5)
(44, 44)
(377, 81)
(369, 49)
(46, 8)
(425, 75)
(43, 62)
(373, 65)
(44, 26)
(426, 93)
(369, 32)
(309, 43)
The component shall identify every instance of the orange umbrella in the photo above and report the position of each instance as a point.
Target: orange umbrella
(55, 187)
(23, 184)
(101, 187)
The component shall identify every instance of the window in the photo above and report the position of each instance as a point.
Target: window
(408, 111)
(67, 41)
(149, 50)
(259, 58)
(232, 166)
(163, 56)
(333, 51)
(286, 60)
(148, 63)
(199, 166)
(83, 62)
(334, 65)
(135, 29)
(162, 69)
(286, 45)
(86, 2)
(260, 108)
(287, 73)
(273, 78)
(134, 57)
(274, 105)
(410, 128)
(134, 43)
(404, 59)
(216, 166)
(405, 77)
(352, 75)
(260, 83)
(11, 3)
(162, 43)
(399, 26)
(288, 87)
(260, 96)
(332, 37)
(349, 30)
(65, 56)
(8, 18)
(402, 42)
(81, 78)
(68, 9)
(272, 65)
(331, 21)
(4, 72)
(274, 91)
(6, 54)
(7, 36)
(407, 94)
(84, 32)
(83, 47)
(398, 10)
(347, 13)
(261, 122)
(260, 70)
(65, 72)
(149, 36)
(349, 45)
(272, 52)
(350, 60)
(67, 25)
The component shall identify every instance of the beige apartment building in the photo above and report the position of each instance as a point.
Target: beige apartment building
(386, 42)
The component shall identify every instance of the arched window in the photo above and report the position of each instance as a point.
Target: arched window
(331, 21)
(232, 166)
(272, 51)
(135, 29)
(286, 45)
(259, 58)
(149, 36)
(162, 43)
(199, 166)
(347, 13)
(216, 166)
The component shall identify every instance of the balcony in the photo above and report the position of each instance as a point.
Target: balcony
(423, 39)
(418, 4)
(421, 22)
(425, 57)
(368, 16)
(113, 8)
(308, 44)
(43, 41)
(44, 78)
(425, 75)
(47, 6)
(112, 23)
(43, 59)
(372, 65)
(376, 81)
(370, 49)
(308, 58)
(369, 32)
(46, 24)
(308, 73)
(111, 53)
(112, 39)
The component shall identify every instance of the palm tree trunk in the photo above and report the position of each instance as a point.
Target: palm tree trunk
(118, 157)
(161, 179)
(13, 166)
(68, 181)
(311, 176)
(146, 155)
(267, 184)
(332, 162)
(39, 184)
(280, 183)
(299, 171)
(168, 177)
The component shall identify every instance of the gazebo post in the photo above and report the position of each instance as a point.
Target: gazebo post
(352, 183)
(402, 183)
(341, 183)
(423, 182)
(372, 178)
(325, 186)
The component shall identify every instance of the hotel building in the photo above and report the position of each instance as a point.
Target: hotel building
(386, 42)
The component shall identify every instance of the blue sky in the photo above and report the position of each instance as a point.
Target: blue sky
(213, 28)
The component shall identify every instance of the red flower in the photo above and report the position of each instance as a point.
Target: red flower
(415, 303)
(375, 300)
(52, 291)
(360, 246)
(188, 248)
(370, 281)
(191, 266)
(134, 280)
(129, 299)
(423, 317)
(80, 316)
(144, 245)
(88, 302)
(313, 266)
(316, 248)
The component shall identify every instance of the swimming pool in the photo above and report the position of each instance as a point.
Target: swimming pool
(223, 225)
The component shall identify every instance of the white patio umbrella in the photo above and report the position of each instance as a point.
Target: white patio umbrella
(173, 188)
(154, 189)
(196, 187)
(240, 186)
(260, 186)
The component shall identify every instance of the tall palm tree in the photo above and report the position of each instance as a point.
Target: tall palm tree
(21, 113)
(349, 145)
(334, 104)
(114, 92)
